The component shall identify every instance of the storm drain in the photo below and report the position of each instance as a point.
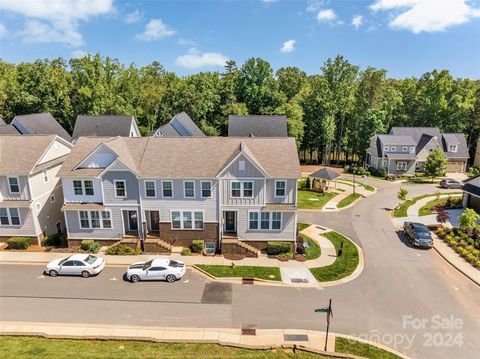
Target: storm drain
(295, 337)
(217, 293)
(299, 280)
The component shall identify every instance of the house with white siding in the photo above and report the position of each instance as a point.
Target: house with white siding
(31, 194)
(237, 193)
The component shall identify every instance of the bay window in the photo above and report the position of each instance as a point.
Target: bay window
(187, 219)
(268, 220)
(95, 219)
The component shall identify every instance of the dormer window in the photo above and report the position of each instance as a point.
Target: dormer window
(393, 148)
(452, 148)
(404, 149)
(386, 148)
(241, 165)
(412, 149)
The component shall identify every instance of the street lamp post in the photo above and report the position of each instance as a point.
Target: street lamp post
(354, 164)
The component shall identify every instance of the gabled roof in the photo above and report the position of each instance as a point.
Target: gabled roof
(8, 130)
(326, 174)
(187, 157)
(416, 132)
(111, 125)
(20, 154)
(472, 185)
(180, 125)
(257, 126)
(397, 140)
(457, 139)
(39, 124)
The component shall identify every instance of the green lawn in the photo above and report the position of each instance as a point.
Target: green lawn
(402, 208)
(41, 348)
(427, 209)
(269, 273)
(343, 265)
(313, 200)
(312, 252)
(354, 347)
(348, 200)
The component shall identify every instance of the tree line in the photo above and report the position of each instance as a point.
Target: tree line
(332, 114)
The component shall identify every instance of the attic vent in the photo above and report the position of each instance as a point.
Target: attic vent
(241, 165)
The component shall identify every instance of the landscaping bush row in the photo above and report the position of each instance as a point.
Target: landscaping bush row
(276, 248)
(123, 250)
(55, 240)
(466, 242)
(18, 242)
(89, 245)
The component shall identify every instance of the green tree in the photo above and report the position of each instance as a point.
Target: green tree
(294, 113)
(468, 219)
(436, 163)
(402, 194)
(291, 81)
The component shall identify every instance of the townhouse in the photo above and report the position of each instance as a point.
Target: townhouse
(30, 191)
(405, 150)
(109, 125)
(235, 193)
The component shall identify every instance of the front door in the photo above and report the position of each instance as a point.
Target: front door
(133, 220)
(154, 221)
(230, 222)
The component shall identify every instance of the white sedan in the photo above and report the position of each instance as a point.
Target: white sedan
(77, 264)
(156, 269)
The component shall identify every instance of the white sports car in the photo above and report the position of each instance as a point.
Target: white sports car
(77, 264)
(156, 269)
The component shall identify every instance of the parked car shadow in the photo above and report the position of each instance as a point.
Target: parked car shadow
(403, 238)
(124, 277)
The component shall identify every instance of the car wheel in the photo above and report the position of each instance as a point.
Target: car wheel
(53, 273)
(134, 278)
(86, 274)
(171, 278)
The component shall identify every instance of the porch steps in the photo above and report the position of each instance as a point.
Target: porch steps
(156, 245)
(247, 247)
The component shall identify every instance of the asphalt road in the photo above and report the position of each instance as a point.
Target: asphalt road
(407, 298)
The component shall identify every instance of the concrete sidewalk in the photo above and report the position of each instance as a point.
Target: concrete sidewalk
(347, 188)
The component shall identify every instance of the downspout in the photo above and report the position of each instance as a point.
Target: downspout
(142, 228)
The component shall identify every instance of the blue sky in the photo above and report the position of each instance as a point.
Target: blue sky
(406, 37)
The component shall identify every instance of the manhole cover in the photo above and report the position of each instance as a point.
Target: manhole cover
(299, 280)
(295, 337)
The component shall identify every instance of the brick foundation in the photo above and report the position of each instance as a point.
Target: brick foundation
(184, 238)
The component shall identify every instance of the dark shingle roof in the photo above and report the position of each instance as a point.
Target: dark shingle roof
(401, 156)
(472, 185)
(326, 174)
(40, 124)
(457, 139)
(397, 140)
(110, 125)
(180, 125)
(257, 126)
(416, 132)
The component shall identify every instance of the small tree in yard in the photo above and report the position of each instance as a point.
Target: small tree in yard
(442, 215)
(402, 194)
(469, 218)
(435, 164)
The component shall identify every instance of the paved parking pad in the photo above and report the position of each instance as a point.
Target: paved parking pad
(297, 275)
(217, 293)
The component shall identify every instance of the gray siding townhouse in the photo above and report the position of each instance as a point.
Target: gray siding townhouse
(110, 125)
(39, 124)
(471, 193)
(31, 194)
(180, 125)
(405, 150)
(236, 193)
(476, 161)
(257, 126)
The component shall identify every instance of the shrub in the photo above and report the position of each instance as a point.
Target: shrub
(186, 251)
(18, 242)
(55, 240)
(197, 245)
(378, 172)
(275, 248)
(284, 257)
(122, 250)
(86, 244)
(360, 171)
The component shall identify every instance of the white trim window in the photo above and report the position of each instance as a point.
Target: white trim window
(187, 219)
(452, 148)
(150, 189)
(412, 149)
(264, 221)
(241, 189)
(45, 176)
(9, 217)
(404, 149)
(393, 148)
(386, 149)
(95, 219)
(206, 189)
(77, 188)
(167, 189)
(401, 166)
(189, 189)
(120, 188)
(13, 185)
(88, 186)
(280, 188)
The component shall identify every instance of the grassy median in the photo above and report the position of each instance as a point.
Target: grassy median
(313, 200)
(343, 265)
(312, 251)
(348, 346)
(402, 209)
(219, 271)
(348, 200)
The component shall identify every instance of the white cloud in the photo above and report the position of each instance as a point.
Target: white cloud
(327, 15)
(269, 1)
(194, 59)
(133, 17)
(3, 30)
(314, 6)
(357, 21)
(78, 54)
(426, 15)
(288, 46)
(155, 29)
(56, 20)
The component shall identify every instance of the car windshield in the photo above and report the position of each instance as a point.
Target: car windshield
(90, 259)
(147, 265)
(64, 260)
